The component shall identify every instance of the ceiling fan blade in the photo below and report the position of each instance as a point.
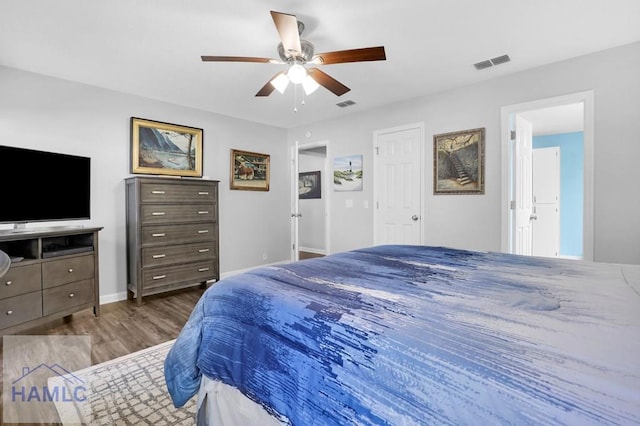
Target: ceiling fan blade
(268, 88)
(287, 26)
(352, 55)
(239, 59)
(328, 82)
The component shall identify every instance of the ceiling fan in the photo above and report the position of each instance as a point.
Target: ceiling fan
(297, 53)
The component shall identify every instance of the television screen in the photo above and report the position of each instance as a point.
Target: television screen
(42, 186)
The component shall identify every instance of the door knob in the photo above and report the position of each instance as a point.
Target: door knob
(414, 217)
(533, 217)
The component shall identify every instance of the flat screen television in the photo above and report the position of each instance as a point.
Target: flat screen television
(40, 186)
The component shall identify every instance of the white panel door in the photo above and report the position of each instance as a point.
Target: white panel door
(523, 181)
(546, 202)
(398, 186)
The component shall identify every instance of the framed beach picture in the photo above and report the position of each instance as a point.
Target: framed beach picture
(159, 148)
(249, 171)
(347, 173)
(458, 162)
(309, 185)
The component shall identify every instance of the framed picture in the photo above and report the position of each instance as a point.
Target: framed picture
(309, 185)
(347, 173)
(249, 171)
(458, 162)
(165, 149)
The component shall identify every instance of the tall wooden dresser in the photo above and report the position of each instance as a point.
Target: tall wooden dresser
(172, 234)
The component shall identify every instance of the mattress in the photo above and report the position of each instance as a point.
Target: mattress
(420, 335)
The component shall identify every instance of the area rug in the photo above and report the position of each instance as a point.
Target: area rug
(129, 390)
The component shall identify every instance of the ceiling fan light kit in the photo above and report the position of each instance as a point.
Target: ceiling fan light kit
(297, 53)
(296, 73)
(280, 82)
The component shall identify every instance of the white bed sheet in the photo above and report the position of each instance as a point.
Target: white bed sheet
(222, 405)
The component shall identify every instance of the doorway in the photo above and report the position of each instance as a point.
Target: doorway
(550, 120)
(310, 213)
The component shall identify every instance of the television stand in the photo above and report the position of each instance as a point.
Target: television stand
(56, 276)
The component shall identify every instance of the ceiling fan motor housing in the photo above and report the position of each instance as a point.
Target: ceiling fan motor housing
(303, 57)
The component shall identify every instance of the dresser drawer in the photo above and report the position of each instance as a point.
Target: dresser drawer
(193, 272)
(19, 309)
(166, 255)
(172, 234)
(68, 270)
(177, 213)
(20, 280)
(66, 296)
(178, 192)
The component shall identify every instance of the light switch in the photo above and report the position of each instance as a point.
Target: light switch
(349, 204)
(365, 204)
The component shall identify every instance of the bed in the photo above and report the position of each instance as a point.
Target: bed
(402, 335)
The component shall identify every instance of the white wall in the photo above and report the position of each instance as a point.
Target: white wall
(55, 115)
(473, 221)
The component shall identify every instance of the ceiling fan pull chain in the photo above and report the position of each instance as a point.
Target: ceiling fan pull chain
(295, 98)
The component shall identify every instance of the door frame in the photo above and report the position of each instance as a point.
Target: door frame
(326, 184)
(587, 99)
(377, 176)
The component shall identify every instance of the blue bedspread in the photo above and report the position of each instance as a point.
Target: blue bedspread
(421, 335)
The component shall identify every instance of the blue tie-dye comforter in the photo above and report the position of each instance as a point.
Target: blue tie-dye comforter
(395, 335)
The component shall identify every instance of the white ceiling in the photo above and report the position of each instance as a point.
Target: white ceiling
(556, 120)
(152, 48)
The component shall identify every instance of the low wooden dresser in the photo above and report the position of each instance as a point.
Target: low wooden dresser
(172, 234)
(53, 273)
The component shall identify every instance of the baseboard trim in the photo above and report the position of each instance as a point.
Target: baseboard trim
(113, 297)
(241, 271)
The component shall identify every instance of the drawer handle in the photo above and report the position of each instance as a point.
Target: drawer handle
(203, 250)
(70, 270)
(203, 212)
(203, 269)
(157, 213)
(158, 256)
(159, 277)
(162, 234)
(71, 295)
(158, 192)
(8, 283)
(9, 312)
(203, 231)
(203, 192)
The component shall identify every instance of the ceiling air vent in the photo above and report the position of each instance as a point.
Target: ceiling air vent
(482, 65)
(500, 59)
(491, 62)
(345, 104)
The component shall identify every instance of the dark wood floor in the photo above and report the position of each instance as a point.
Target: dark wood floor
(308, 255)
(123, 327)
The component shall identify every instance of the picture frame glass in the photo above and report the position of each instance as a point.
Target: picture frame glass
(347, 173)
(249, 171)
(165, 149)
(458, 162)
(309, 185)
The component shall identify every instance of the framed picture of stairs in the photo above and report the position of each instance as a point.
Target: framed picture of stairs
(458, 162)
